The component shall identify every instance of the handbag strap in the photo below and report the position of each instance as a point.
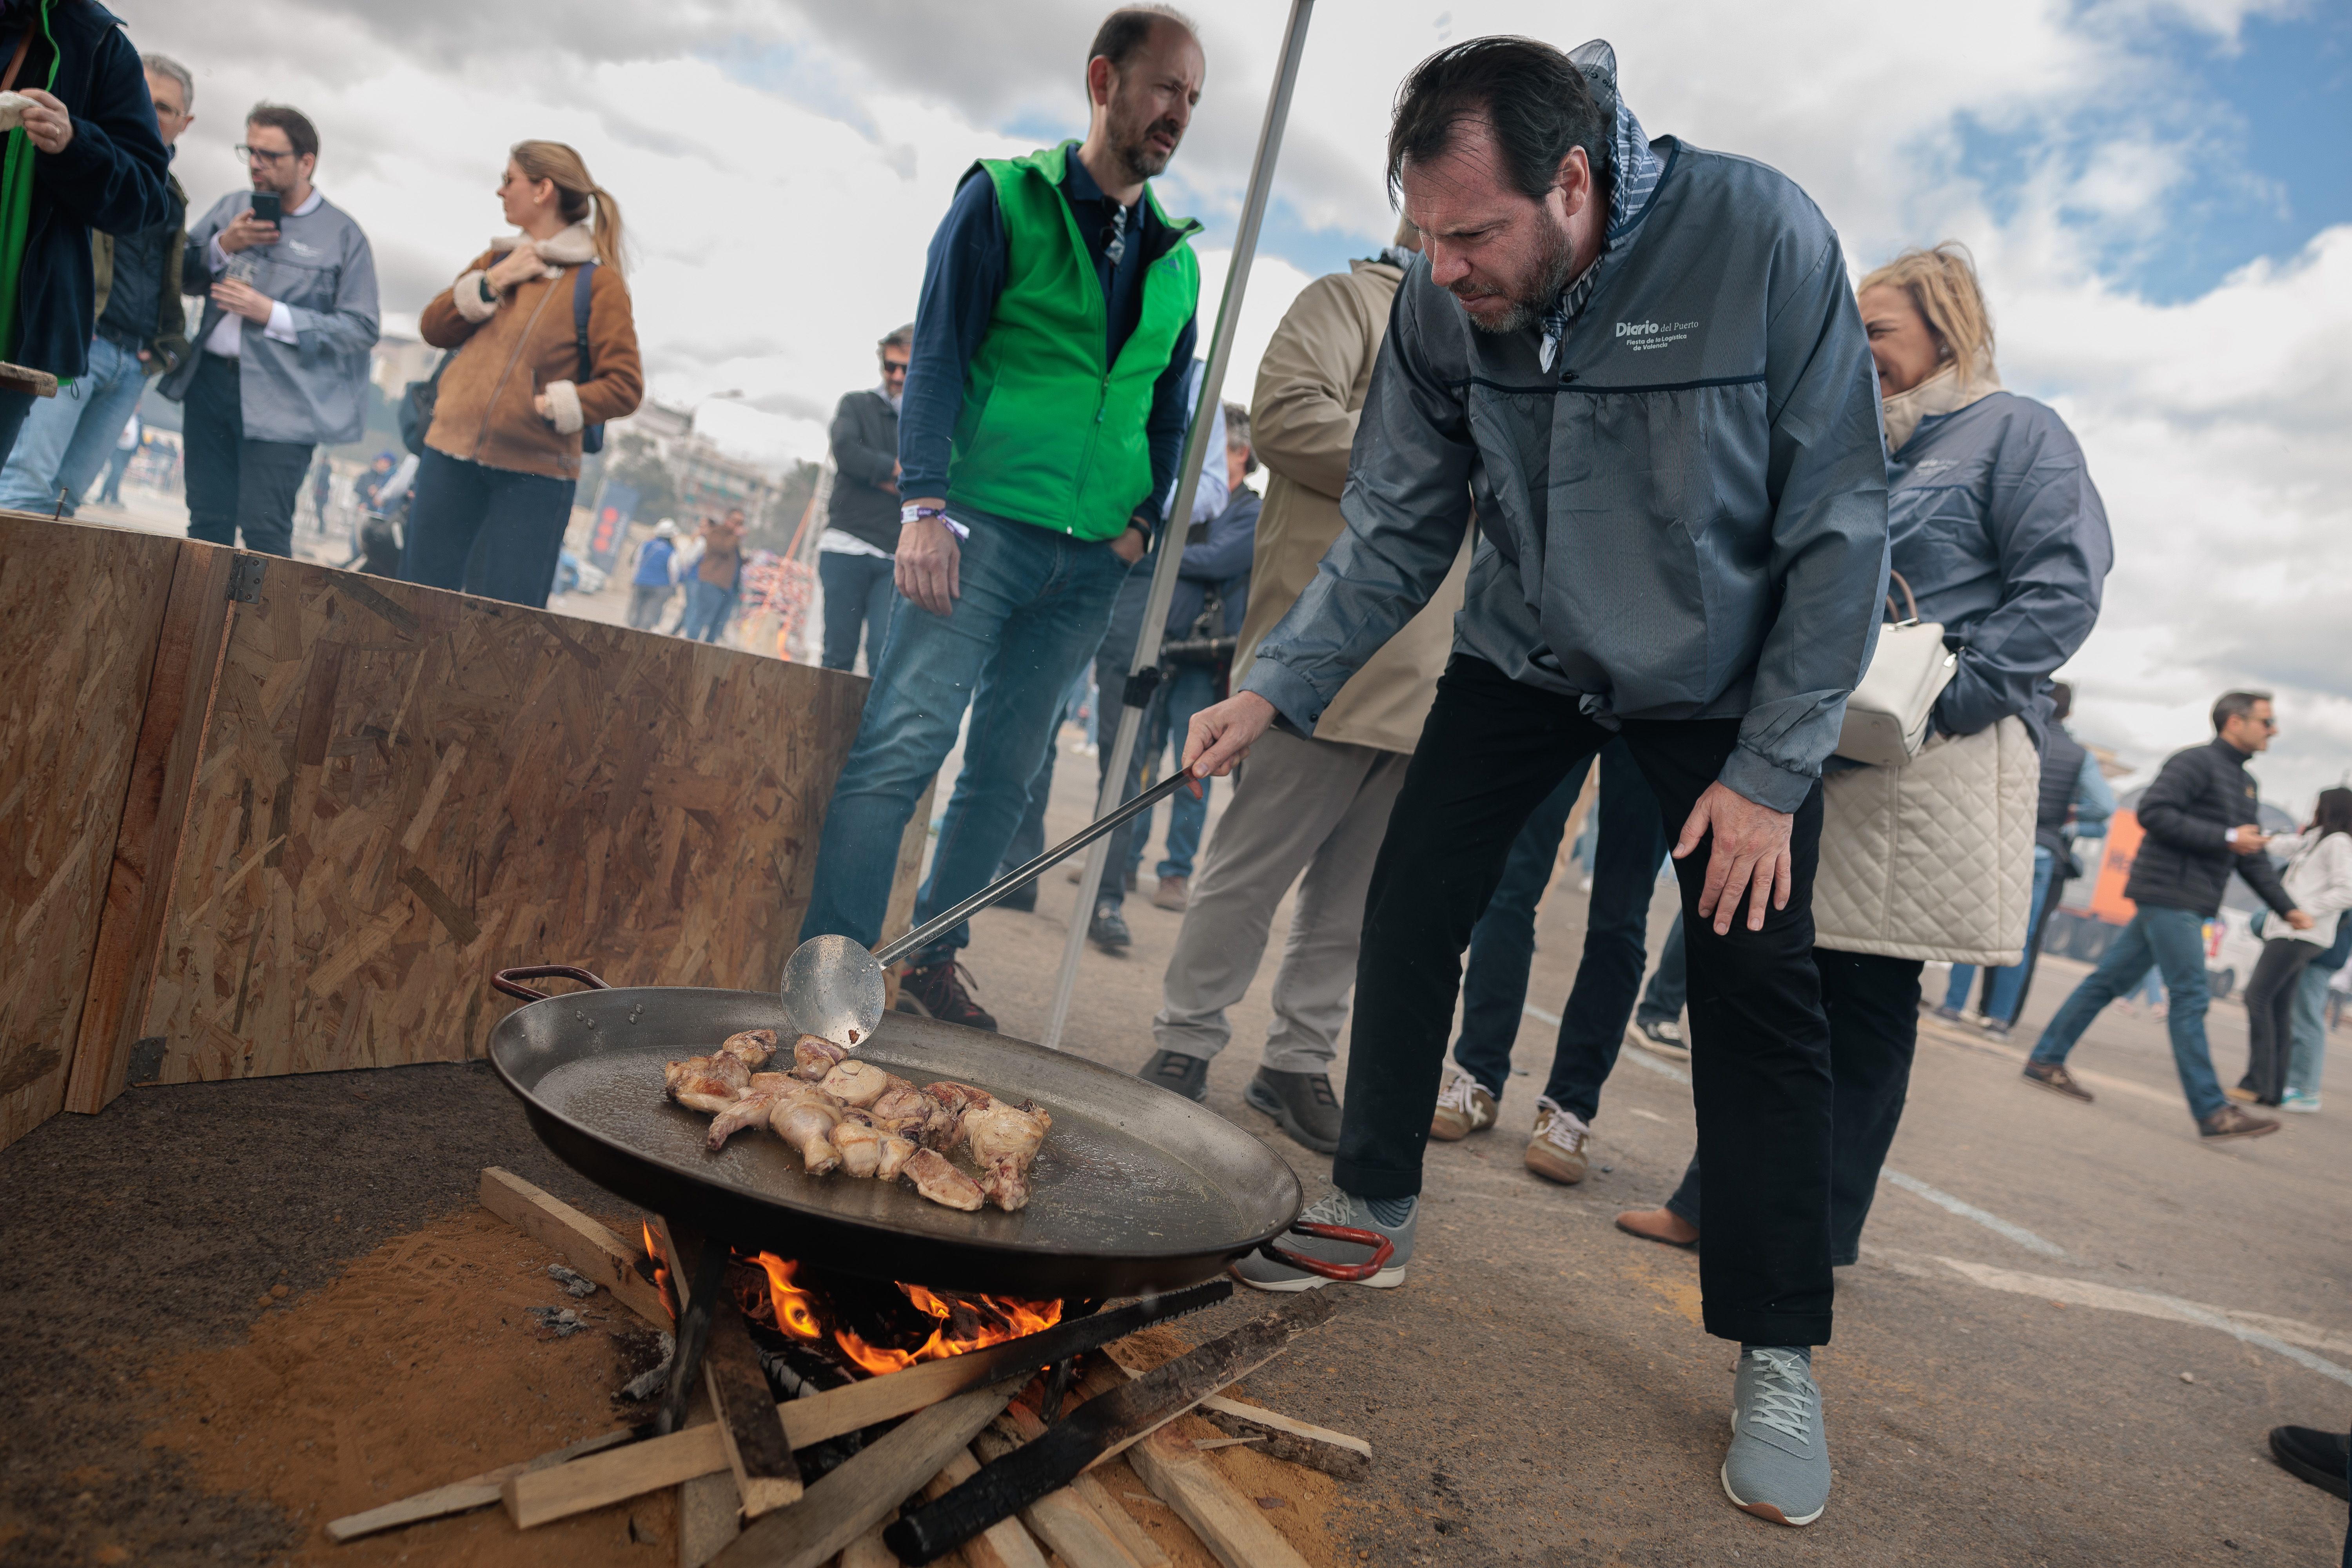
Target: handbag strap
(1907, 599)
(582, 282)
(16, 60)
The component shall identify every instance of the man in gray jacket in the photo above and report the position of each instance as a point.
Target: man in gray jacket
(1644, 363)
(283, 348)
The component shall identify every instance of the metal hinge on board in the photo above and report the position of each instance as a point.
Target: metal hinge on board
(244, 579)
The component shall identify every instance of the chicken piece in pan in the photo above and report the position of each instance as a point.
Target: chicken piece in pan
(709, 1084)
(759, 1098)
(814, 1056)
(753, 1046)
(1004, 1139)
(860, 1083)
(860, 1143)
(941, 1181)
(913, 1115)
(958, 1099)
(805, 1118)
(895, 1153)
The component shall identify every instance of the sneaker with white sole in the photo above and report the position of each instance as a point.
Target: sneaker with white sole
(1557, 1151)
(1261, 1272)
(1663, 1039)
(1464, 1107)
(1779, 1465)
(2299, 1099)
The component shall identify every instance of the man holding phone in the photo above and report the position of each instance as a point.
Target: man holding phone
(284, 343)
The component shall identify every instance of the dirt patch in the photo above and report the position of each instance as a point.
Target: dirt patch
(421, 1364)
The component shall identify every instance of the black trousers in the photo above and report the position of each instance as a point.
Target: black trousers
(236, 485)
(1492, 749)
(517, 518)
(2270, 1015)
(1872, 1004)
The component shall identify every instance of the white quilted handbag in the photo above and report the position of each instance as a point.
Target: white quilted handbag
(1887, 716)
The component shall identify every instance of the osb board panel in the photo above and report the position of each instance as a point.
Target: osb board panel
(899, 919)
(81, 609)
(401, 789)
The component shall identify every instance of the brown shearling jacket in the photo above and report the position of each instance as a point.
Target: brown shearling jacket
(509, 352)
(1311, 385)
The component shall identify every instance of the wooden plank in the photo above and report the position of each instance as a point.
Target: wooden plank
(23, 378)
(1338, 1454)
(461, 1497)
(445, 786)
(540, 1496)
(766, 1479)
(866, 1487)
(1005, 1543)
(709, 1507)
(1134, 1542)
(591, 1248)
(1229, 1524)
(867, 1551)
(81, 615)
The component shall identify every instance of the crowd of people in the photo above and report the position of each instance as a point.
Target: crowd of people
(1602, 466)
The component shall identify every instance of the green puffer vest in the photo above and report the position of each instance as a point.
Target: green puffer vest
(1049, 433)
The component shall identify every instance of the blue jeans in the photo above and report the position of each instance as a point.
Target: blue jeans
(517, 518)
(858, 593)
(1032, 611)
(2009, 984)
(1630, 841)
(1670, 986)
(706, 605)
(2174, 941)
(66, 439)
(2307, 1061)
(1187, 690)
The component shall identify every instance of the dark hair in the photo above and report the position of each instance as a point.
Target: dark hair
(904, 337)
(1128, 28)
(1533, 98)
(2062, 700)
(301, 133)
(2235, 705)
(2333, 813)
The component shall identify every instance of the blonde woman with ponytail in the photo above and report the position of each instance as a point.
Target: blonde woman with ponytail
(502, 457)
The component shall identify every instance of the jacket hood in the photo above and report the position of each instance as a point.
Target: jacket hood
(569, 247)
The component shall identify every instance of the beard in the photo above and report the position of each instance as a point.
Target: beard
(1554, 265)
(1137, 154)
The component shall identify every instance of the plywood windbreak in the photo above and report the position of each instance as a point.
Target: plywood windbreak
(399, 789)
(83, 608)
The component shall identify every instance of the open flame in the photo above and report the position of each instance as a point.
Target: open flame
(985, 1321)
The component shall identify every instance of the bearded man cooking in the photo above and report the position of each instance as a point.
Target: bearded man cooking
(1640, 366)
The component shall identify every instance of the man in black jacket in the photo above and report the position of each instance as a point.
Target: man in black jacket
(97, 163)
(854, 557)
(2200, 821)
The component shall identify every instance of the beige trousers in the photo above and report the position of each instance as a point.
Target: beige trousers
(1319, 807)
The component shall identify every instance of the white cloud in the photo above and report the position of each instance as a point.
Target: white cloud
(783, 166)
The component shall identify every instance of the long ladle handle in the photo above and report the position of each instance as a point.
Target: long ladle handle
(947, 920)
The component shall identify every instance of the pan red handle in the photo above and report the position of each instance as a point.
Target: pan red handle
(1347, 1273)
(506, 980)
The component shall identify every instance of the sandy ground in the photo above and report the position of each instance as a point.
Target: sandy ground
(2078, 1366)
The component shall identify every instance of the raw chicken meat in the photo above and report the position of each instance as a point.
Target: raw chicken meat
(710, 1083)
(1004, 1139)
(941, 1181)
(814, 1056)
(754, 1045)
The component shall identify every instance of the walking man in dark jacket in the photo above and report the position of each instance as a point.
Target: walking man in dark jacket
(1589, 292)
(854, 557)
(90, 149)
(2199, 820)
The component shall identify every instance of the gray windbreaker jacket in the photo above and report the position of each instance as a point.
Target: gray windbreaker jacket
(322, 269)
(1685, 518)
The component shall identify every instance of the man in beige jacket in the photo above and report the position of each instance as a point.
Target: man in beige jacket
(1319, 805)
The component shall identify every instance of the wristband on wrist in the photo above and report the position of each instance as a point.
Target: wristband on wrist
(939, 514)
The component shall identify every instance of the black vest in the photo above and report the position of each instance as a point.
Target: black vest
(2062, 763)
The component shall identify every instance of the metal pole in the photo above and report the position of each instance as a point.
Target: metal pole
(1179, 516)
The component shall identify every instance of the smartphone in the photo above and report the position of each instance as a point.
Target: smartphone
(266, 207)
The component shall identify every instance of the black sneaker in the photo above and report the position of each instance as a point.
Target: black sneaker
(2314, 1455)
(936, 991)
(1302, 1101)
(1187, 1076)
(1108, 930)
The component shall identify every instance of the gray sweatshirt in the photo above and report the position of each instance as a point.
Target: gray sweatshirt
(1684, 517)
(322, 270)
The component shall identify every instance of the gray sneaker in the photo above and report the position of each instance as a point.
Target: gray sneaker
(1779, 1466)
(1264, 1273)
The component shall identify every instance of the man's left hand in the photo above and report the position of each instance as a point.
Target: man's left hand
(1129, 546)
(242, 299)
(47, 123)
(2299, 919)
(1750, 857)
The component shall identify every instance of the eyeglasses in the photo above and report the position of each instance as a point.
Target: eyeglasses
(894, 367)
(264, 154)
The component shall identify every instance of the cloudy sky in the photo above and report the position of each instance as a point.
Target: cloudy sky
(2157, 191)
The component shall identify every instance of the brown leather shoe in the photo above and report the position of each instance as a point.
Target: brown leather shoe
(1171, 893)
(2053, 1076)
(2231, 1122)
(1662, 1226)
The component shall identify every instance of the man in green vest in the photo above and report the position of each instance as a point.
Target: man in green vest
(1038, 439)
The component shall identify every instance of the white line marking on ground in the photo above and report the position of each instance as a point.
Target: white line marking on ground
(1651, 1115)
(1968, 1211)
(2274, 1335)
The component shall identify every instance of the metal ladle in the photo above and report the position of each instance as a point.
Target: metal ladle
(832, 986)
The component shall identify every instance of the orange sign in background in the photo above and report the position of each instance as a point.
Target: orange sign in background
(2107, 901)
